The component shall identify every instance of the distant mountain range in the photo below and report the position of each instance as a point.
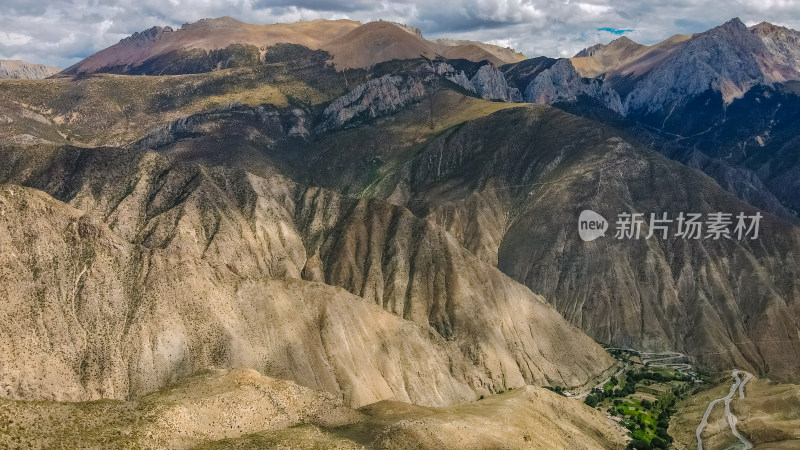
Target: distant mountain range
(226, 42)
(23, 70)
(724, 101)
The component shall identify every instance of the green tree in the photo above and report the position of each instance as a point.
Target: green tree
(639, 444)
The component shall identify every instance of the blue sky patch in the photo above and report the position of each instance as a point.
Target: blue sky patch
(614, 30)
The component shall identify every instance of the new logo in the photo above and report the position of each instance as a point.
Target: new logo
(591, 225)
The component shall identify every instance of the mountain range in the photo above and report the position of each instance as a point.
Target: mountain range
(379, 217)
(227, 42)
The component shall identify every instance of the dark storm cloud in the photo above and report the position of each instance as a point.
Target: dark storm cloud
(61, 32)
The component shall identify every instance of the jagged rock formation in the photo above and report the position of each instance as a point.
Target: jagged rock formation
(783, 48)
(487, 81)
(389, 93)
(377, 97)
(24, 70)
(729, 59)
(562, 83)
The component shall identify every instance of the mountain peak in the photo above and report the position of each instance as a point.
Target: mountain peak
(622, 40)
(212, 22)
(146, 36)
(589, 51)
(766, 28)
(408, 28)
(619, 44)
(734, 24)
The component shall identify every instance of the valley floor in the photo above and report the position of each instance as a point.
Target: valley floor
(240, 408)
(768, 416)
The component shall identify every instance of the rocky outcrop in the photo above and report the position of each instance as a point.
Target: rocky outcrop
(590, 51)
(377, 97)
(141, 38)
(781, 59)
(389, 93)
(26, 71)
(488, 82)
(272, 121)
(562, 83)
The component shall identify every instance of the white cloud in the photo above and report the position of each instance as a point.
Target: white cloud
(12, 39)
(594, 9)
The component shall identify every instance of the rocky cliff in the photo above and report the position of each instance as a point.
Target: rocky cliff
(562, 83)
(487, 81)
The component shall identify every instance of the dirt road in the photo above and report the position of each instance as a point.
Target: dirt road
(738, 383)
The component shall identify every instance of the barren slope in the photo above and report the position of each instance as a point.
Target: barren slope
(510, 187)
(181, 281)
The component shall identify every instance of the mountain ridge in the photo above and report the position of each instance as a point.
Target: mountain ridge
(350, 43)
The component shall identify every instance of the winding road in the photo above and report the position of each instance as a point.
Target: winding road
(654, 359)
(599, 385)
(660, 359)
(738, 383)
(667, 360)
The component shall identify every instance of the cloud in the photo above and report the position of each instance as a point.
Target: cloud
(614, 30)
(61, 32)
(12, 39)
(593, 9)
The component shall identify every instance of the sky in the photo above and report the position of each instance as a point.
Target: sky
(62, 32)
